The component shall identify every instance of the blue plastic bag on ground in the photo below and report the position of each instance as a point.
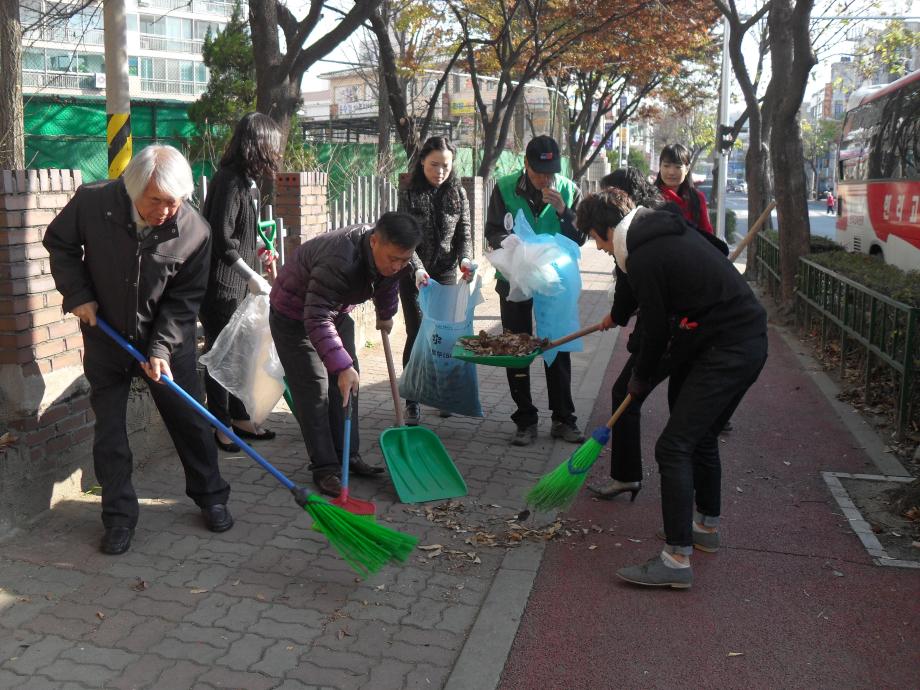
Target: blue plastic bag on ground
(432, 377)
(556, 315)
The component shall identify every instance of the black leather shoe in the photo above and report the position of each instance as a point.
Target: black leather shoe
(217, 517)
(116, 540)
(330, 485)
(357, 466)
(264, 435)
(228, 447)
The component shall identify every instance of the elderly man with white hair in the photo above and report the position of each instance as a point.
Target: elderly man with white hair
(137, 253)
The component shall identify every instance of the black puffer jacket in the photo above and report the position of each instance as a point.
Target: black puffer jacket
(149, 291)
(444, 215)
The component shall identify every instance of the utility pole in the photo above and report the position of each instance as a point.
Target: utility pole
(117, 92)
(723, 123)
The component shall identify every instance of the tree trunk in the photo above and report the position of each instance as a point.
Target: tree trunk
(793, 58)
(12, 138)
(384, 117)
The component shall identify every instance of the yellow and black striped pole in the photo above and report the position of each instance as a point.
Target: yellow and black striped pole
(117, 92)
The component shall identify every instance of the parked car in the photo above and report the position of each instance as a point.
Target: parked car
(741, 186)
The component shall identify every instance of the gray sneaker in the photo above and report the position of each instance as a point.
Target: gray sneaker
(655, 573)
(702, 541)
(413, 414)
(524, 436)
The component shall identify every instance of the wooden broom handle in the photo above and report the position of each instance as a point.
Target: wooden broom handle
(573, 336)
(749, 237)
(620, 410)
(391, 371)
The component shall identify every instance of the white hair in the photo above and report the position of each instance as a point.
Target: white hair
(163, 165)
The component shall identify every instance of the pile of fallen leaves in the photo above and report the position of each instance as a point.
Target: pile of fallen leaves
(507, 343)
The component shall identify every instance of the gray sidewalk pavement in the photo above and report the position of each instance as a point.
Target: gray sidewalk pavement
(269, 604)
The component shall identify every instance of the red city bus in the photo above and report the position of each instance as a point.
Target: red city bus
(878, 170)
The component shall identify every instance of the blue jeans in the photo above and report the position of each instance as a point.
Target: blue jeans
(704, 392)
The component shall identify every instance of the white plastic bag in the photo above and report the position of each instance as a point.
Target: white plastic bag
(243, 359)
(528, 265)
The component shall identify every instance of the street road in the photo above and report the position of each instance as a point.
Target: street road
(822, 224)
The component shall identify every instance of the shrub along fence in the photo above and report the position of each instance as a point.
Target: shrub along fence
(856, 317)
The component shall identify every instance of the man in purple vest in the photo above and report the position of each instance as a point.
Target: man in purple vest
(315, 337)
(548, 201)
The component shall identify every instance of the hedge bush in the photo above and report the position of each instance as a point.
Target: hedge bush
(870, 271)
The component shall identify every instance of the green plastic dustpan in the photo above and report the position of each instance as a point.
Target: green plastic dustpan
(516, 361)
(419, 465)
(418, 462)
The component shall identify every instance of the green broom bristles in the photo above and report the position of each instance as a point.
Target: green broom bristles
(559, 488)
(365, 545)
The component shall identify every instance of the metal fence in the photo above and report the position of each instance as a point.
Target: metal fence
(855, 316)
(363, 201)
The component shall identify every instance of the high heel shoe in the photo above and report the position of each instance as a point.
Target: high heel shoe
(226, 447)
(614, 488)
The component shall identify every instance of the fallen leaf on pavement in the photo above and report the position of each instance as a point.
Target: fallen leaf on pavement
(592, 547)
(140, 585)
(736, 653)
(430, 547)
(100, 615)
(199, 590)
(635, 541)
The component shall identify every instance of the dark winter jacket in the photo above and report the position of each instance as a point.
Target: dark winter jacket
(679, 278)
(149, 290)
(444, 215)
(325, 278)
(230, 210)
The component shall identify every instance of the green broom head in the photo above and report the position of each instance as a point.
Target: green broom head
(559, 488)
(365, 545)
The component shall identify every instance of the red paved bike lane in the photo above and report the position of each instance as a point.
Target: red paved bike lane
(791, 600)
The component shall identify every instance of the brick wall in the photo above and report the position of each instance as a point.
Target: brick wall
(45, 404)
(300, 199)
(476, 196)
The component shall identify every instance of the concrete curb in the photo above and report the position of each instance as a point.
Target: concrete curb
(486, 650)
(867, 438)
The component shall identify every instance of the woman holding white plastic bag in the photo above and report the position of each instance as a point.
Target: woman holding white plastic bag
(435, 198)
(232, 209)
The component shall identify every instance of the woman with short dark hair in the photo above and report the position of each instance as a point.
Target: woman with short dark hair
(436, 199)
(232, 209)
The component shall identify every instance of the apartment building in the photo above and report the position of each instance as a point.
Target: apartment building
(165, 37)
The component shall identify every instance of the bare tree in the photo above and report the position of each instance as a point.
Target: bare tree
(792, 57)
(516, 41)
(12, 140)
(279, 73)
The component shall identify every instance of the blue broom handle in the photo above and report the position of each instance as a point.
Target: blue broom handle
(197, 406)
(346, 443)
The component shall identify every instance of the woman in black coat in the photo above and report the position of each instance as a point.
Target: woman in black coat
(232, 209)
(436, 199)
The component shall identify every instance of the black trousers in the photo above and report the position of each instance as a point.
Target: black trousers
(317, 399)
(626, 434)
(109, 372)
(222, 404)
(704, 392)
(517, 317)
(412, 313)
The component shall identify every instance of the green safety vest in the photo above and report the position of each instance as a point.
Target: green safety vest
(547, 223)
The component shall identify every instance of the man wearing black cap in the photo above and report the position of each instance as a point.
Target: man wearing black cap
(548, 201)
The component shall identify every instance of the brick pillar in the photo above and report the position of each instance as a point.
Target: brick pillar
(300, 199)
(45, 397)
(478, 203)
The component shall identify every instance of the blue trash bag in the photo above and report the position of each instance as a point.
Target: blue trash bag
(556, 315)
(432, 377)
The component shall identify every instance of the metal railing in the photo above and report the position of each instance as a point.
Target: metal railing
(59, 80)
(171, 86)
(886, 329)
(172, 45)
(223, 9)
(363, 201)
